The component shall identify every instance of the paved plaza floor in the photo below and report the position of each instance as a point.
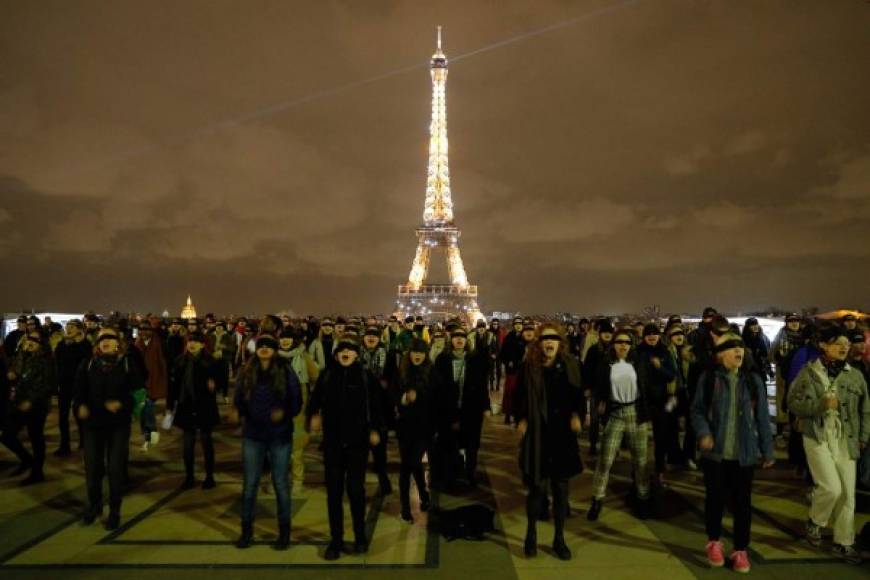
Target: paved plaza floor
(170, 533)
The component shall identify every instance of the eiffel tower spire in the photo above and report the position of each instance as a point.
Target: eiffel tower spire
(438, 230)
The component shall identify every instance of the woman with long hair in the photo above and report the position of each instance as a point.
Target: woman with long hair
(267, 396)
(548, 405)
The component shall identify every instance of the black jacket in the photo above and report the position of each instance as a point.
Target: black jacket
(416, 420)
(604, 391)
(69, 356)
(513, 348)
(546, 399)
(475, 392)
(197, 406)
(105, 379)
(349, 402)
(657, 378)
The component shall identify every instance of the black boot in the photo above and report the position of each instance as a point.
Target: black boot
(360, 544)
(594, 510)
(560, 548)
(283, 541)
(424, 501)
(113, 522)
(530, 546)
(189, 482)
(333, 550)
(386, 488)
(247, 536)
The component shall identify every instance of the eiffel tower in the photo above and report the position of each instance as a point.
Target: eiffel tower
(416, 297)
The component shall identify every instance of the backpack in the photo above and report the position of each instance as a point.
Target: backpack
(469, 522)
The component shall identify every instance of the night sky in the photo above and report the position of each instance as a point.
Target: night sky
(264, 156)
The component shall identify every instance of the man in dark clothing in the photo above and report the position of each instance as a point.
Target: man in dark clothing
(595, 356)
(512, 351)
(346, 404)
(10, 343)
(104, 403)
(660, 371)
(174, 342)
(461, 402)
(69, 355)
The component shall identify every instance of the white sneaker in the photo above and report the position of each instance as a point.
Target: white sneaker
(155, 437)
(145, 447)
(691, 465)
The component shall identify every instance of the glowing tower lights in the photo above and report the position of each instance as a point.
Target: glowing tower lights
(438, 230)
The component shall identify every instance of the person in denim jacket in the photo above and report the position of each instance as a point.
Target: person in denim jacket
(829, 397)
(731, 418)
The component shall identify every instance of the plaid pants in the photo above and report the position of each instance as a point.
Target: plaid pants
(623, 420)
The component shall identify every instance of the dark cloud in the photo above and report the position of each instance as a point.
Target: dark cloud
(668, 152)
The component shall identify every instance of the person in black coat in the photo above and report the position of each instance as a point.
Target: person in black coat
(69, 355)
(33, 378)
(549, 404)
(104, 404)
(193, 403)
(461, 403)
(595, 356)
(346, 405)
(415, 424)
(660, 372)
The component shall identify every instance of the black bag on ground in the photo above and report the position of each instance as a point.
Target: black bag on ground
(469, 522)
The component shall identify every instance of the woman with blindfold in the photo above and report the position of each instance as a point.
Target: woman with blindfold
(549, 403)
(622, 392)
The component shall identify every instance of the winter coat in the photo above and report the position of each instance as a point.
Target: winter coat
(259, 392)
(155, 364)
(416, 420)
(513, 349)
(374, 360)
(68, 356)
(36, 380)
(197, 406)
(805, 401)
(225, 345)
(710, 416)
(547, 399)
(349, 402)
(657, 378)
(475, 392)
(105, 379)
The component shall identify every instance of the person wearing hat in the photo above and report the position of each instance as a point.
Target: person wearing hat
(389, 338)
(849, 322)
(549, 404)
(345, 404)
(482, 339)
(660, 372)
(758, 346)
(33, 378)
(415, 425)
(156, 381)
(622, 393)
(830, 399)
(858, 352)
(513, 350)
(92, 327)
(462, 401)
(223, 351)
(10, 342)
(192, 402)
(104, 405)
(783, 347)
(174, 341)
(68, 356)
(700, 333)
(595, 357)
(681, 358)
(321, 348)
(373, 358)
(730, 416)
(268, 397)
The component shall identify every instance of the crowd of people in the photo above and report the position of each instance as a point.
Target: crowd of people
(699, 393)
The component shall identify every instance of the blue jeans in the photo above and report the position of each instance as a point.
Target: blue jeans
(253, 457)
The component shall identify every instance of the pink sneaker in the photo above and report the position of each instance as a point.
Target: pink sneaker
(740, 561)
(715, 555)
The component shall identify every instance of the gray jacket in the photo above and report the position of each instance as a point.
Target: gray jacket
(805, 401)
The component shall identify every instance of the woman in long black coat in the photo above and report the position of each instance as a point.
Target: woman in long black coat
(461, 401)
(192, 397)
(549, 402)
